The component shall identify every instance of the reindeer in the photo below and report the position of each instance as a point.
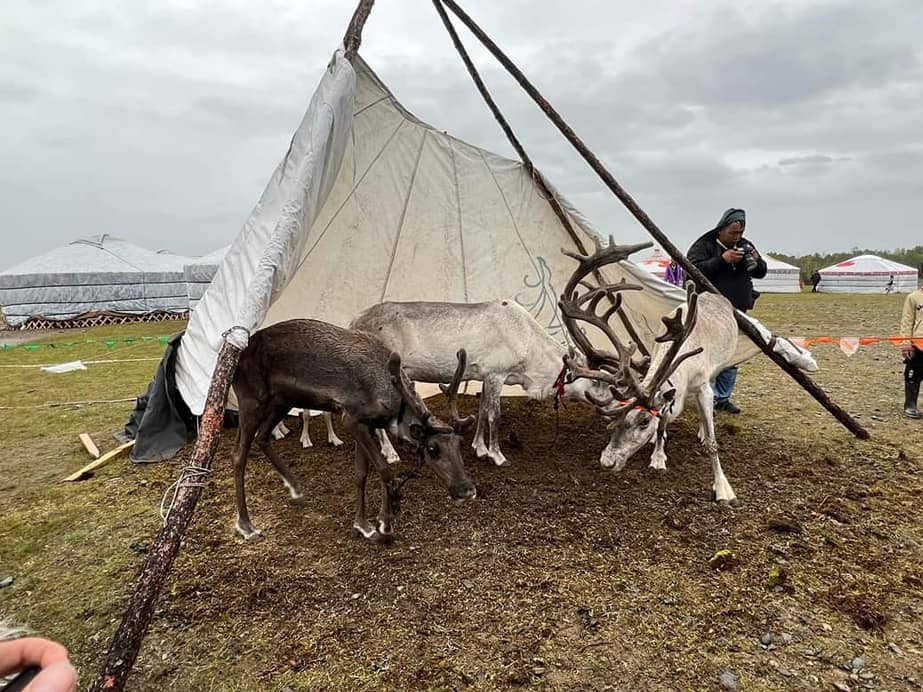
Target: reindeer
(700, 339)
(505, 345)
(315, 365)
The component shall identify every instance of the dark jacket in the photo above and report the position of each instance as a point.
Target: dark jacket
(733, 281)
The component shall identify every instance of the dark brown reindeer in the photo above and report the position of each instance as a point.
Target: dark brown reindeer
(316, 365)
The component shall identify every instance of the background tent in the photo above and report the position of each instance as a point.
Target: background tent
(199, 272)
(867, 274)
(781, 277)
(98, 274)
(656, 263)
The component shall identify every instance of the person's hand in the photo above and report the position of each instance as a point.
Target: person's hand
(754, 252)
(907, 351)
(732, 256)
(57, 674)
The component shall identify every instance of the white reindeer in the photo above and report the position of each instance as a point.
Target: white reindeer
(281, 430)
(688, 355)
(505, 346)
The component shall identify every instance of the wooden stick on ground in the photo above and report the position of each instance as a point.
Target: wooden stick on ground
(102, 461)
(89, 445)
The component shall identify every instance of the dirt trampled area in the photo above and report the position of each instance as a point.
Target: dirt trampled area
(560, 575)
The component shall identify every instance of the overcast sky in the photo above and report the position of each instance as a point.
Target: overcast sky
(161, 121)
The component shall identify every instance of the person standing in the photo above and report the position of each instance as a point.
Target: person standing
(815, 279)
(912, 328)
(730, 263)
(674, 274)
(890, 287)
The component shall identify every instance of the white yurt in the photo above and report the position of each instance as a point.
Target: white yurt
(867, 274)
(199, 272)
(656, 263)
(781, 277)
(92, 276)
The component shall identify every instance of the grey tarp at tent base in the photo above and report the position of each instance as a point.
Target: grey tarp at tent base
(95, 274)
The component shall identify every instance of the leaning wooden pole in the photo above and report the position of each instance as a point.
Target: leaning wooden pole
(123, 650)
(527, 162)
(745, 325)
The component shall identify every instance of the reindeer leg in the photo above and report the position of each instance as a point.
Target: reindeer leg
(480, 449)
(384, 526)
(387, 449)
(264, 439)
(493, 385)
(305, 433)
(361, 524)
(332, 438)
(659, 456)
(722, 490)
(280, 431)
(245, 433)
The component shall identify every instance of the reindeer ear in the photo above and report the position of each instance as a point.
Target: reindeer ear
(417, 432)
(669, 394)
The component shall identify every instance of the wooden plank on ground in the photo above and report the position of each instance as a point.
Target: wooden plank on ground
(90, 445)
(104, 459)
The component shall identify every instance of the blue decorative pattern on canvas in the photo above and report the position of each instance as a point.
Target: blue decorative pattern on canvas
(541, 294)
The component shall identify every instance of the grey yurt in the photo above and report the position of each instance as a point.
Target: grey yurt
(93, 280)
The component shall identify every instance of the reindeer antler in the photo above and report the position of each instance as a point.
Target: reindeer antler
(412, 399)
(616, 369)
(451, 393)
(677, 332)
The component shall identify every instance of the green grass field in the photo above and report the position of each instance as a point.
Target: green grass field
(497, 591)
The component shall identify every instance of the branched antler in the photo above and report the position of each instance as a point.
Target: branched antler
(451, 394)
(613, 368)
(677, 332)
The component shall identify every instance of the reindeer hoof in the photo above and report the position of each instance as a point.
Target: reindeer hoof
(500, 461)
(379, 538)
(336, 443)
(298, 500)
(248, 532)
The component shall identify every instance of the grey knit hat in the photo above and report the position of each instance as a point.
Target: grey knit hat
(730, 216)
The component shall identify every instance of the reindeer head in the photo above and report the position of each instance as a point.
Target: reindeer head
(638, 391)
(437, 442)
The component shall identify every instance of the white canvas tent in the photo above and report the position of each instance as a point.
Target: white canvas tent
(781, 277)
(199, 272)
(98, 274)
(867, 274)
(371, 204)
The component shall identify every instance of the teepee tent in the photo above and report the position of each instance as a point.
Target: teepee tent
(371, 204)
(781, 277)
(867, 274)
(199, 272)
(97, 275)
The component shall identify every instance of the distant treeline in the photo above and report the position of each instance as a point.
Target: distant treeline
(912, 257)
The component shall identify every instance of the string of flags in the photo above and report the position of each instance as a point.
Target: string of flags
(108, 343)
(850, 344)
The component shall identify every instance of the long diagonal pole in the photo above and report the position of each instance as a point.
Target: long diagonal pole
(743, 323)
(136, 620)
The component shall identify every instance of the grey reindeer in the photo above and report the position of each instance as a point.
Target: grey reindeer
(316, 365)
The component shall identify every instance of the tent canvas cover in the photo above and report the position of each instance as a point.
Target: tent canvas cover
(370, 204)
(94, 274)
(867, 274)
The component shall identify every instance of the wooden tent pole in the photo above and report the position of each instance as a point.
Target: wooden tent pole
(123, 650)
(530, 167)
(745, 325)
(353, 36)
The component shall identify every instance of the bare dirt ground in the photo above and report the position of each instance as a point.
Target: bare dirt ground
(559, 576)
